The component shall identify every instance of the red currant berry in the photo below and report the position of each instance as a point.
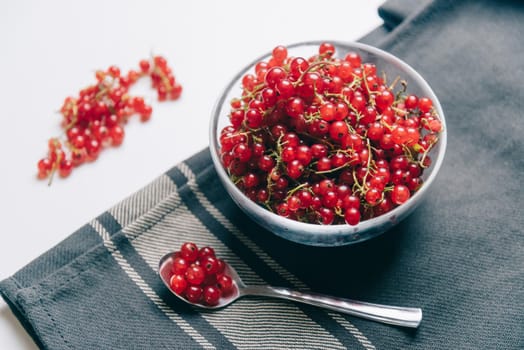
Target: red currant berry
(384, 99)
(435, 125)
(305, 198)
(114, 71)
(144, 66)
(180, 265)
(399, 162)
(65, 168)
(288, 154)
(375, 131)
(93, 148)
(400, 194)
(298, 66)
(295, 169)
(44, 167)
(251, 180)
(318, 150)
(352, 216)
(425, 104)
(178, 284)
(285, 89)
(189, 251)
(354, 59)
(221, 266)
(194, 293)
(373, 196)
(280, 53)
(326, 216)
(206, 251)
(283, 209)
(326, 49)
(323, 164)
(383, 207)
(329, 199)
(411, 102)
(248, 82)
(293, 203)
(211, 295)
(338, 130)
(116, 133)
(242, 152)
(304, 154)
(225, 284)
(328, 111)
(210, 265)
(195, 274)
(295, 107)
(351, 201)
(274, 75)
(266, 163)
(253, 118)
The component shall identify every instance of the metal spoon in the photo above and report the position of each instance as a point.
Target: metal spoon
(399, 316)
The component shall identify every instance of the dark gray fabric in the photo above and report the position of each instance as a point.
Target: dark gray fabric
(459, 256)
(393, 12)
(462, 252)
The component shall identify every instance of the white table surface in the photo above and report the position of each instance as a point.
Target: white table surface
(50, 49)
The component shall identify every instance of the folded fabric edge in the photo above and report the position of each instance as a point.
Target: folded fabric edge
(422, 13)
(8, 291)
(394, 12)
(375, 35)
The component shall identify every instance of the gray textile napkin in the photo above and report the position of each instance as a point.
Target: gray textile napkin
(459, 256)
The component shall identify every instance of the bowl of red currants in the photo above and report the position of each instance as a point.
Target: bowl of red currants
(327, 143)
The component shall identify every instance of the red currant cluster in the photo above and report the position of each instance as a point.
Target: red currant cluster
(326, 140)
(162, 79)
(96, 118)
(198, 275)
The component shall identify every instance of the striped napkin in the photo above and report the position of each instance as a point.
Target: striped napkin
(459, 256)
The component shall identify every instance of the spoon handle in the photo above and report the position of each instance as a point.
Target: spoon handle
(399, 316)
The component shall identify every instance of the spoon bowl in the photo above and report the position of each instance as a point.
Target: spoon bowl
(165, 272)
(394, 315)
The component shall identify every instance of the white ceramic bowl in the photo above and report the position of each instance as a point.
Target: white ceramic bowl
(328, 235)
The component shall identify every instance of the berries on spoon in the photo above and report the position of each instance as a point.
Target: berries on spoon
(198, 275)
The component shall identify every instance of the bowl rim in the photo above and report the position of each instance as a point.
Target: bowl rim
(309, 229)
